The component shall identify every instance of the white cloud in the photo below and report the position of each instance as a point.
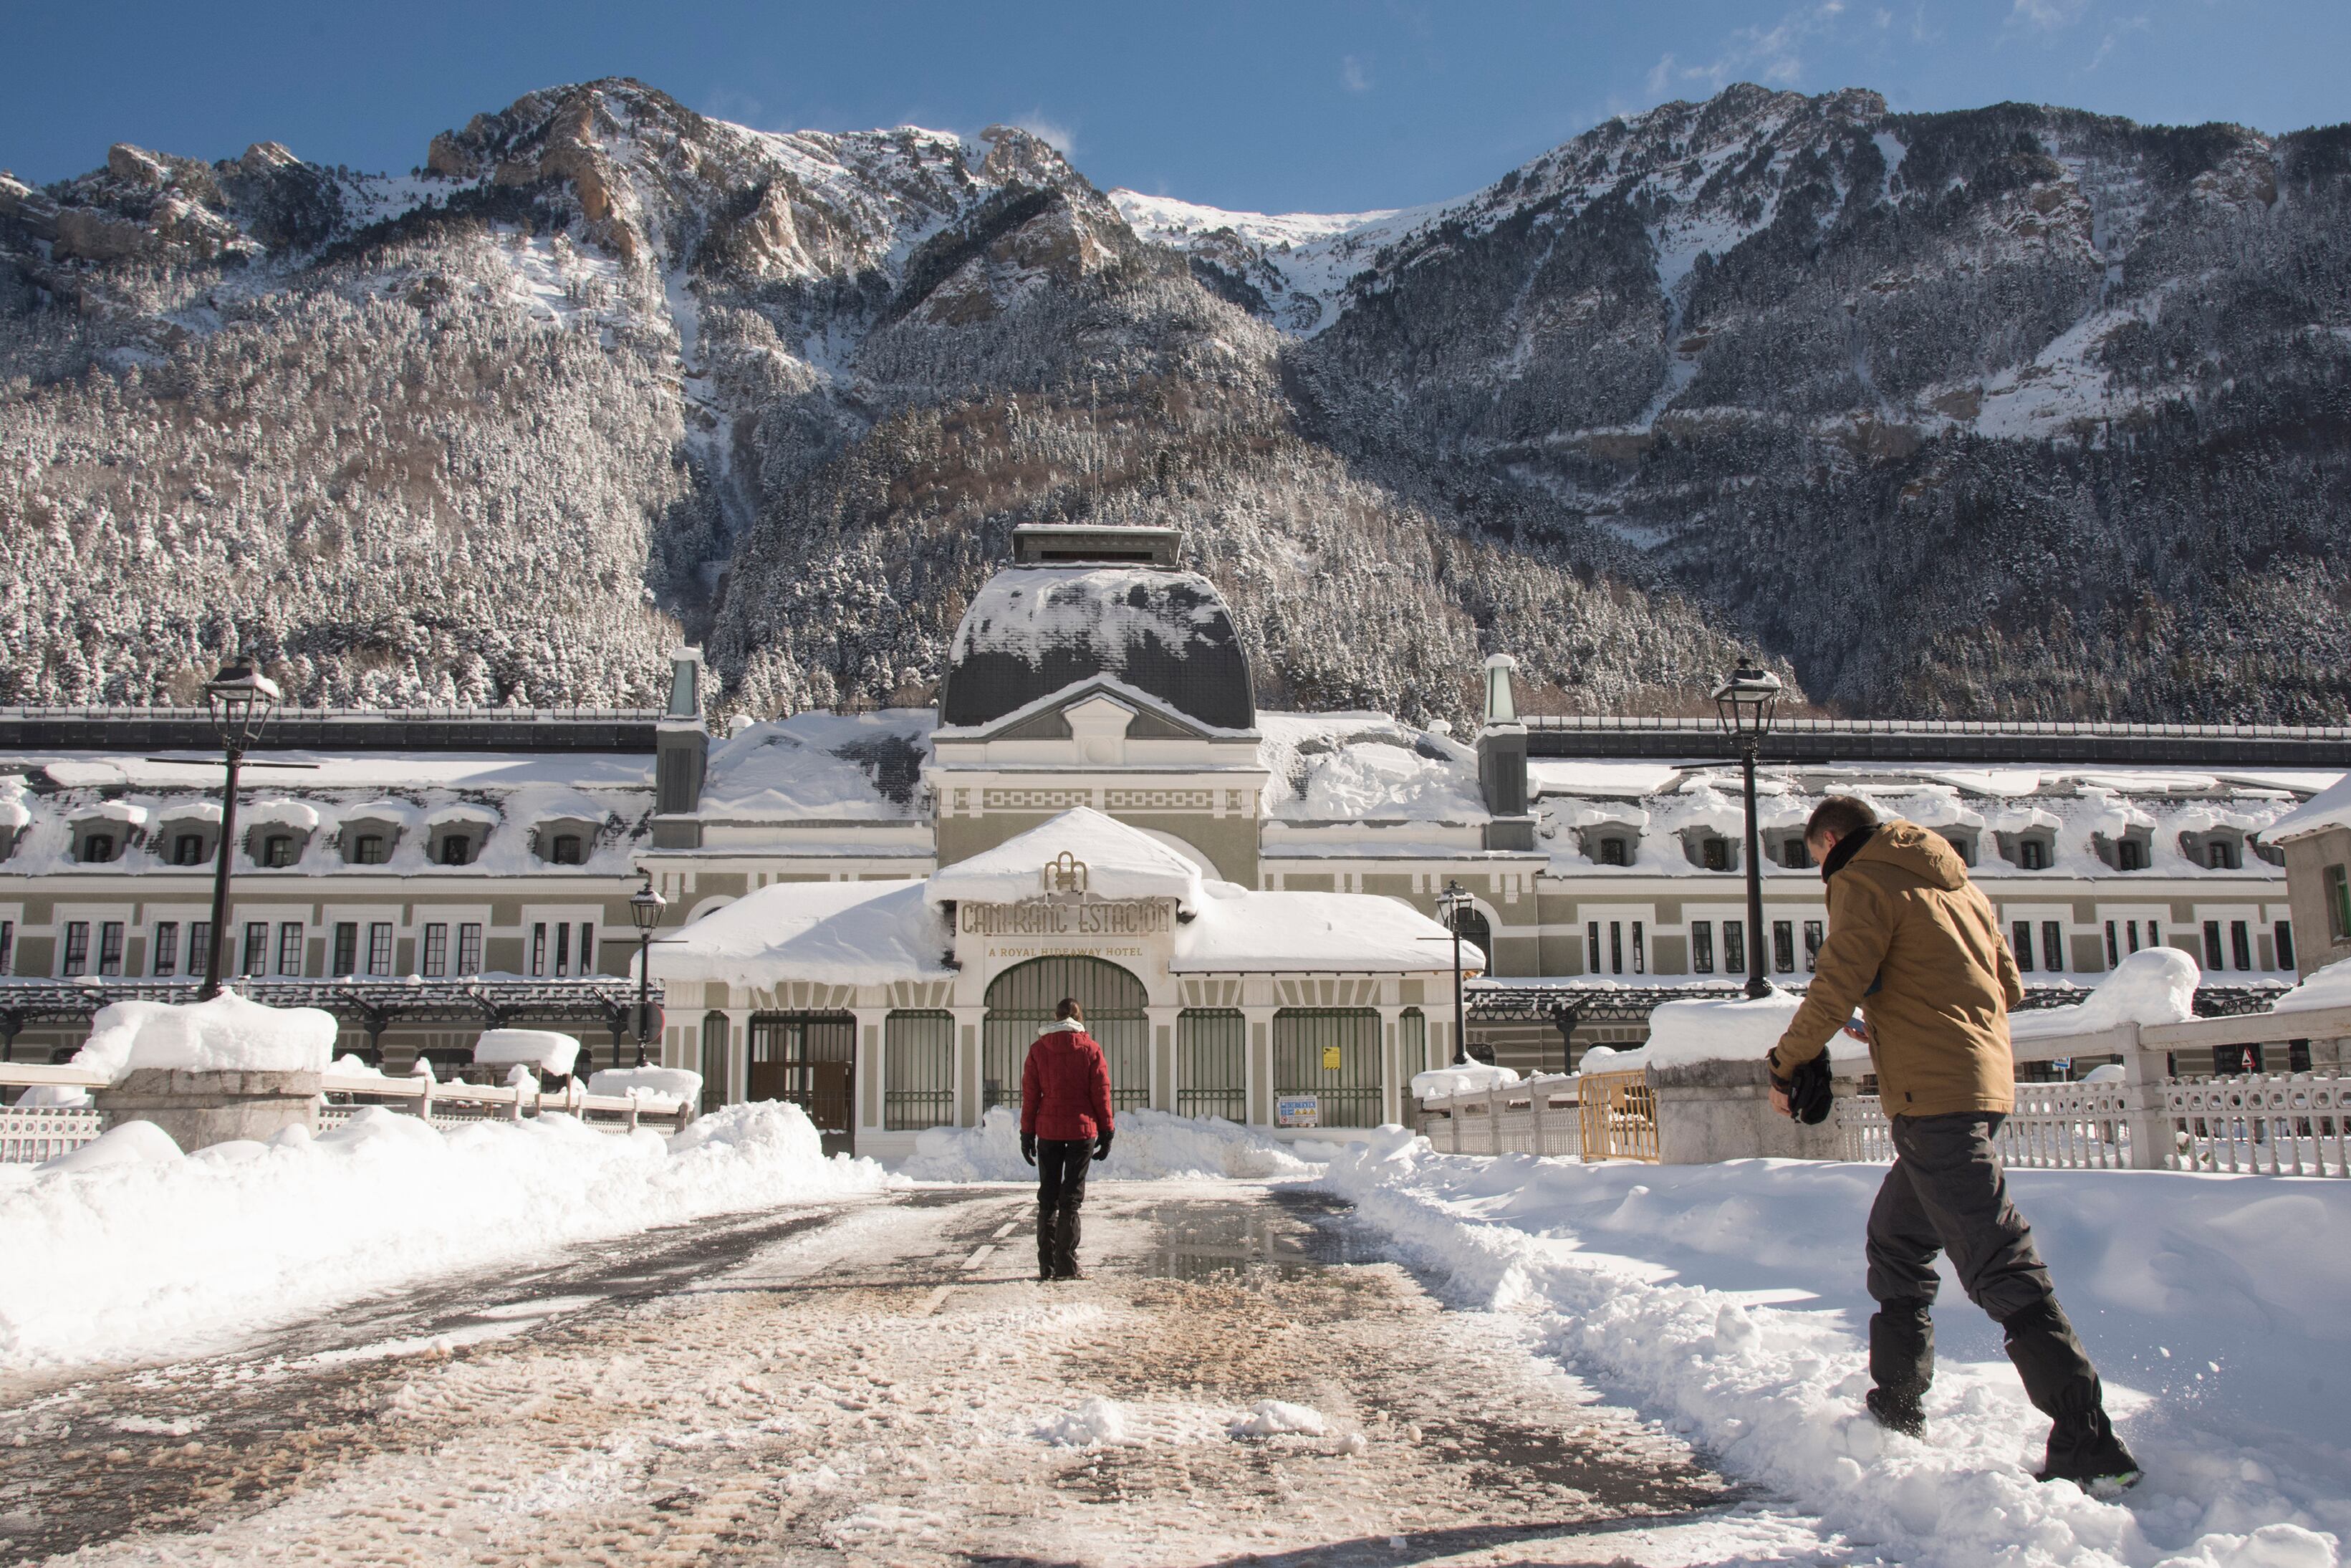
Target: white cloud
(1354, 73)
(2113, 36)
(2048, 15)
(1051, 132)
(1773, 54)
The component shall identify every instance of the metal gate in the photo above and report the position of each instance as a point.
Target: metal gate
(1211, 1064)
(1021, 1001)
(1331, 1055)
(917, 1070)
(807, 1059)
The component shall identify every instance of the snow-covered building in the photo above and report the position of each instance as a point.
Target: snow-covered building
(869, 911)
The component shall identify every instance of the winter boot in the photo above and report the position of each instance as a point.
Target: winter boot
(1065, 1246)
(1048, 1241)
(1902, 1364)
(2063, 1386)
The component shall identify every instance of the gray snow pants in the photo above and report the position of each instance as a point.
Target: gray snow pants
(1947, 1193)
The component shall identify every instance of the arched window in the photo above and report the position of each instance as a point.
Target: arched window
(1021, 1002)
(1475, 933)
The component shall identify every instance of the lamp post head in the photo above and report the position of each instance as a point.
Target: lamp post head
(645, 905)
(1747, 702)
(1453, 900)
(241, 699)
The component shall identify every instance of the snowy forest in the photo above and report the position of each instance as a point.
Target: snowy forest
(2012, 413)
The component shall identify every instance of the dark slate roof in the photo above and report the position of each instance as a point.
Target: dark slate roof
(1035, 630)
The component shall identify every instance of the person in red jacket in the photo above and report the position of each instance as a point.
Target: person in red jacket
(1065, 1120)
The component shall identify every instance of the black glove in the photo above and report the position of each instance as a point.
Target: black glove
(1807, 1090)
(1029, 1147)
(1101, 1148)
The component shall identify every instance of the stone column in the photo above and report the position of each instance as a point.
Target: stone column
(1708, 1112)
(1259, 1020)
(968, 1022)
(1395, 1073)
(1163, 1057)
(201, 1108)
(866, 1076)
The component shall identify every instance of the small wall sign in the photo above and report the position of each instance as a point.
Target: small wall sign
(1296, 1110)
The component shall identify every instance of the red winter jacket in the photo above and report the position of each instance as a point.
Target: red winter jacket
(1065, 1087)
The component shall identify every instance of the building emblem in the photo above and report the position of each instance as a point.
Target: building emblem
(1065, 874)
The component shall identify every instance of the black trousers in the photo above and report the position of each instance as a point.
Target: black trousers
(1060, 1191)
(1947, 1193)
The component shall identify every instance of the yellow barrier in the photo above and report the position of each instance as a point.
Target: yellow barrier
(1620, 1116)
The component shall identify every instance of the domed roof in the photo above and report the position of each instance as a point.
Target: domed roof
(1033, 631)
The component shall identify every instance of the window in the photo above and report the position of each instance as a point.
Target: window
(7, 946)
(2212, 944)
(1734, 948)
(369, 850)
(199, 947)
(2052, 947)
(469, 949)
(714, 1062)
(1702, 946)
(1612, 852)
(2113, 957)
(1813, 935)
(436, 950)
(379, 947)
(2130, 854)
(567, 849)
(2130, 934)
(918, 1069)
(1615, 947)
(1783, 946)
(290, 948)
(1963, 846)
(2033, 854)
(1592, 948)
(2154, 935)
(2020, 944)
(562, 948)
(456, 849)
(109, 947)
(538, 949)
(97, 847)
(588, 947)
(1640, 952)
(2241, 944)
(2284, 932)
(1717, 852)
(76, 959)
(2220, 854)
(347, 947)
(256, 948)
(188, 849)
(277, 851)
(165, 954)
(2338, 903)
(1794, 855)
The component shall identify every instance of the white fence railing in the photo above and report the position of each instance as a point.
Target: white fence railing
(30, 1134)
(2056, 1126)
(2267, 1123)
(1540, 1115)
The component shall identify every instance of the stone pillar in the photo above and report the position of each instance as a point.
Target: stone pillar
(2149, 1123)
(1163, 1057)
(968, 1022)
(1259, 1020)
(1395, 1073)
(201, 1108)
(866, 1077)
(1708, 1112)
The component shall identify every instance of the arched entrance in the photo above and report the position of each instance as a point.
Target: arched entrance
(1021, 1002)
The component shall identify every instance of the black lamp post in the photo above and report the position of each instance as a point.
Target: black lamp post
(1454, 902)
(241, 699)
(1745, 703)
(645, 908)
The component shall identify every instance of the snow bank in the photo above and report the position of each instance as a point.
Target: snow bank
(1096, 1422)
(226, 1034)
(2328, 988)
(662, 1083)
(1475, 1077)
(1150, 1146)
(125, 1247)
(2155, 985)
(537, 1047)
(1726, 1300)
(1274, 1417)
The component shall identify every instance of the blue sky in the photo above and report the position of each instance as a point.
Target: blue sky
(1304, 105)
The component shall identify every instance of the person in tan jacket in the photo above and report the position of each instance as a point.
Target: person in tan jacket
(1915, 946)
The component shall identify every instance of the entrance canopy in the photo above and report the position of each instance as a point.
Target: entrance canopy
(1099, 856)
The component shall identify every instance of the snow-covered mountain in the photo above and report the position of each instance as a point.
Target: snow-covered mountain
(2016, 410)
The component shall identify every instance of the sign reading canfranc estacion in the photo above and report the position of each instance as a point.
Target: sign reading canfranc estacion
(1093, 918)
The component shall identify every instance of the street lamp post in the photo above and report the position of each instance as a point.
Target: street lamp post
(1745, 704)
(1454, 902)
(645, 908)
(241, 699)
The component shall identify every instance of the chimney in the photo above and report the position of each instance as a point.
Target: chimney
(681, 752)
(1502, 762)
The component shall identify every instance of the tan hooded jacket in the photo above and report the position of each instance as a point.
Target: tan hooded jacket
(1917, 947)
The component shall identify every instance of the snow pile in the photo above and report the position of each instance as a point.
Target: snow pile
(1096, 1422)
(1474, 1077)
(226, 1034)
(126, 1248)
(2328, 988)
(2155, 985)
(1726, 1302)
(675, 1084)
(1121, 862)
(838, 933)
(1276, 1418)
(542, 1048)
(1150, 1146)
(1735, 1028)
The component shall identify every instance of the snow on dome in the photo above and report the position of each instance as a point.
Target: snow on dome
(2157, 984)
(1365, 766)
(1257, 933)
(464, 812)
(399, 812)
(1031, 632)
(822, 765)
(111, 811)
(836, 933)
(282, 811)
(13, 816)
(543, 1048)
(226, 1034)
(191, 811)
(1121, 862)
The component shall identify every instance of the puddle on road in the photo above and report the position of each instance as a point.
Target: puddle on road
(1219, 1241)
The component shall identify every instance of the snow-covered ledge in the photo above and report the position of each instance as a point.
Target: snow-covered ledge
(1704, 1062)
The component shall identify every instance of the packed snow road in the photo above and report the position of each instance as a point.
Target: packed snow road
(880, 1380)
